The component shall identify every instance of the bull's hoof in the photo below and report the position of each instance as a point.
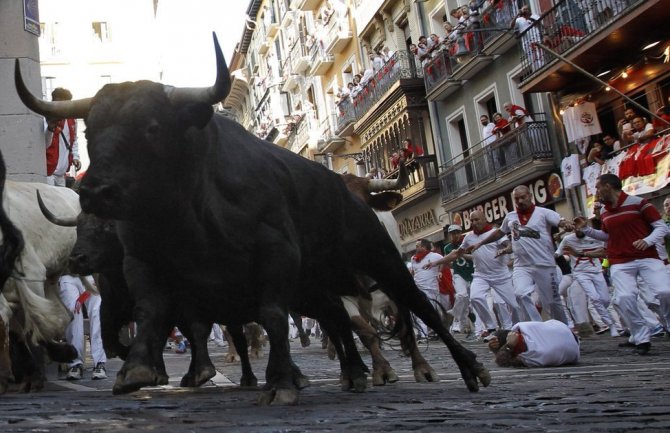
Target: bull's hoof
(4, 384)
(332, 353)
(301, 381)
(425, 373)
(355, 384)
(278, 397)
(483, 374)
(248, 381)
(231, 357)
(255, 353)
(162, 379)
(36, 384)
(304, 341)
(194, 380)
(134, 378)
(383, 375)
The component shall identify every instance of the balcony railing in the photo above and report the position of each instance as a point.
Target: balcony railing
(565, 26)
(422, 171)
(400, 66)
(482, 163)
(463, 45)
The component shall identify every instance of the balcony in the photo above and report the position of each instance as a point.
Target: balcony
(456, 63)
(400, 69)
(423, 177)
(514, 153)
(339, 34)
(601, 36)
(328, 141)
(321, 61)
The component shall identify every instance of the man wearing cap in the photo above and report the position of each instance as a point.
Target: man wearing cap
(534, 262)
(62, 148)
(426, 278)
(490, 274)
(463, 269)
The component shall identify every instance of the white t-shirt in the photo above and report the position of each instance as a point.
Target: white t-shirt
(532, 243)
(647, 128)
(582, 264)
(487, 265)
(549, 343)
(590, 176)
(488, 136)
(572, 175)
(426, 279)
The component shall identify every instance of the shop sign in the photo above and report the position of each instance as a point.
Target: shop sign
(416, 224)
(31, 16)
(545, 190)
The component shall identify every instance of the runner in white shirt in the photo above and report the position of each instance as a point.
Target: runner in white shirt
(585, 254)
(536, 344)
(534, 263)
(491, 272)
(425, 276)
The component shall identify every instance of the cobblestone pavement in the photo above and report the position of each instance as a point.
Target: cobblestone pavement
(611, 390)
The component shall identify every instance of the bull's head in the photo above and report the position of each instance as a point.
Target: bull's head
(98, 248)
(379, 194)
(136, 137)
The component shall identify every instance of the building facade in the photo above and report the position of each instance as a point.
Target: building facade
(300, 57)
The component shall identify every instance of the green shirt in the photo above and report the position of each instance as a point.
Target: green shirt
(461, 266)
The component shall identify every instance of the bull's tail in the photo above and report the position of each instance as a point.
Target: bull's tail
(12, 239)
(44, 319)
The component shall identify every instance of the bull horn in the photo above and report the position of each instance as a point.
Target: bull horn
(75, 109)
(64, 222)
(211, 95)
(398, 183)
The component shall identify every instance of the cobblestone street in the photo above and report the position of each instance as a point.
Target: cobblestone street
(611, 390)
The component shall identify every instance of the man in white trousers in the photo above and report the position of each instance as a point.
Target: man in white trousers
(491, 273)
(74, 295)
(587, 270)
(632, 227)
(534, 262)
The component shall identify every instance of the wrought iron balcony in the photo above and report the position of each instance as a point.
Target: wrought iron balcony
(422, 171)
(482, 163)
(400, 66)
(468, 50)
(567, 26)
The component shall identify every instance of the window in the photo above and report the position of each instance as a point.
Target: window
(101, 31)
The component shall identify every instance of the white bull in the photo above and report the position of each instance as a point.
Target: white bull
(30, 300)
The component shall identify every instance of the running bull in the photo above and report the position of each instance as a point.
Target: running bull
(225, 225)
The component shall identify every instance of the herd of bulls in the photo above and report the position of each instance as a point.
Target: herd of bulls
(191, 220)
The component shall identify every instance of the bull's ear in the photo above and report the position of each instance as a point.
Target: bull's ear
(385, 201)
(196, 114)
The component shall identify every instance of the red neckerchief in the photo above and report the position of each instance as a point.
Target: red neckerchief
(486, 228)
(619, 201)
(525, 216)
(419, 256)
(520, 345)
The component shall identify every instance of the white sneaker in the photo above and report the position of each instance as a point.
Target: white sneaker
(75, 373)
(99, 371)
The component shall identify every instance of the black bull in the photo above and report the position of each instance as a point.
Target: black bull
(227, 227)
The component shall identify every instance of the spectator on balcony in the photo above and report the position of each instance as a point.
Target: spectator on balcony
(502, 126)
(643, 132)
(522, 24)
(377, 61)
(419, 54)
(625, 125)
(395, 160)
(387, 53)
(488, 131)
(367, 77)
(517, 114)
(326, 12)
(663, 113)
(410, 150)
(602, 151)
(437, 43)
